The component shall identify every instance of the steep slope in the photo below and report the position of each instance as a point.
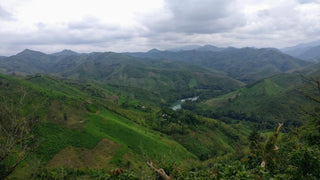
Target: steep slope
(280, 98)
(246, 64)
(82, 125)
(70, 118)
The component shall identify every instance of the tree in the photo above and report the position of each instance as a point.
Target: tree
(16, 140)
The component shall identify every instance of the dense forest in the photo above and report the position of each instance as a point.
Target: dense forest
(254, 114)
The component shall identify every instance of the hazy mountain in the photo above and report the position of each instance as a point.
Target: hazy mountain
(245, 64)
(209, 48)
(30, 62)
(153, 50)
(27, 62)
(307, 53)
(185, 48)
(312, 53)
(197, 48)
(301, 46)
(65, 52)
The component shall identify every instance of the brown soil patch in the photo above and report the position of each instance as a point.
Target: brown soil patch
(98, 157)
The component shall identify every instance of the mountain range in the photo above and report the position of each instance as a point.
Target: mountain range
(106, 110)
(245, 64)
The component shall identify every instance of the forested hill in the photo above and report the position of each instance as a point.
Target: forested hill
(169, 79)
(245, 64)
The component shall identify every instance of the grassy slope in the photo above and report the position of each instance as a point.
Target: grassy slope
(89, 128)
(271, 100)
(76, 127)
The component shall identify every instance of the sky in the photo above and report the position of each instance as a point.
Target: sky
(139, 25)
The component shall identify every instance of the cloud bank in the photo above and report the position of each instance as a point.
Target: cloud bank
(124, 25)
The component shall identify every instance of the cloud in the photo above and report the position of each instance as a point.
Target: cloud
(193, 16)
(85, 35)
(5, 15)
(98, 25)
(72, 33)
(308, 1)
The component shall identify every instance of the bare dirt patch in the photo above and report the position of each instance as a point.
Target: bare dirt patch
(73, 157)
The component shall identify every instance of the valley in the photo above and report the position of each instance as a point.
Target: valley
(196, 113)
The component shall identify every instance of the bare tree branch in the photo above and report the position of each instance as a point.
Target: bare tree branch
(161, 172)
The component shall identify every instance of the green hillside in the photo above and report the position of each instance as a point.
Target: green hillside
(266, 102)
(245, 64)
(169, 80)
(76, 122)
(105, 115)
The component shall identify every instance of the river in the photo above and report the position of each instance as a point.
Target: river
(177, 105)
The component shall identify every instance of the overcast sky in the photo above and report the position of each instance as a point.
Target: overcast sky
(139, 25)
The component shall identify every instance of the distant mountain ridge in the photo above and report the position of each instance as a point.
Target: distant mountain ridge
(245, 64)
(308, 51)
(158, 76)
(198, 48)
(65, 52)
(302, 45)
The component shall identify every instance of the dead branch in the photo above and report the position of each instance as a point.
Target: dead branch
(279, 127)
(268, 151)
(161, 172)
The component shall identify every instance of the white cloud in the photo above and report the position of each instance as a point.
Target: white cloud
(125, 25)
(192, 16)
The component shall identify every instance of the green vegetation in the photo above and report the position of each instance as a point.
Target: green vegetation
(245, 64)
(108, 116)
(266, 102)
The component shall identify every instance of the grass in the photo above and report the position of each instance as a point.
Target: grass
(192, 83)
(54, 138)
(108, 125)
(138, 139)
(269, 101)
